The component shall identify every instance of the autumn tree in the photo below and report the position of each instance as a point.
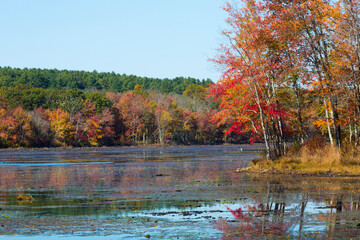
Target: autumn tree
(131, 109)
(348, 59)
(288, 63)
(163, 120)
(60, 125)
(254, 69)
(40, 128)
(93, 130)
(327, 32)
(107, 121)
(22, 131)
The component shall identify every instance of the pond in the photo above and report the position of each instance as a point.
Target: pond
(167, 193)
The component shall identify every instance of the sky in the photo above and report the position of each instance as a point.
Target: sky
(149, 38)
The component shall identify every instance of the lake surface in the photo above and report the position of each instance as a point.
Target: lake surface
(167, 193)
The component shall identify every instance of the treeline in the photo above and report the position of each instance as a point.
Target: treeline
(91, 81)
(37, 117)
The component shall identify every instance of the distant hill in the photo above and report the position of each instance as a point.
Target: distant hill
(90, 81)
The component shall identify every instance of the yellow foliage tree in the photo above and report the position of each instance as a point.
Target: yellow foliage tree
(61, 126)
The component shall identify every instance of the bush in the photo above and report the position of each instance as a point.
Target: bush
(314, 143)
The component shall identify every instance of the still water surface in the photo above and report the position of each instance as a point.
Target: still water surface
(167, 193)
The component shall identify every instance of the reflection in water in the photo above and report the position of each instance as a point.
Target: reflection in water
(187, 192)
(263, 218)
(283, 210)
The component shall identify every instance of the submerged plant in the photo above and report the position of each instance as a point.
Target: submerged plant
(24, 199)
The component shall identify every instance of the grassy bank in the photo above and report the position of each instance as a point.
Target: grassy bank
(325, 160)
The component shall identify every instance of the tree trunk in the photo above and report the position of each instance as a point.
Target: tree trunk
(298, 106)
(263, 126)
(350, 132)
(335, 118)
(328, 124)
(355, 130)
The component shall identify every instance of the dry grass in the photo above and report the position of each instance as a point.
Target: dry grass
(328, 155)
(323, 159)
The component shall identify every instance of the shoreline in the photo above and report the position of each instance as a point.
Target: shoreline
(34, 149)
(292, 172)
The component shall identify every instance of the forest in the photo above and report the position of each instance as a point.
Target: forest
(38, 112)
(91, 81)
(291, 72)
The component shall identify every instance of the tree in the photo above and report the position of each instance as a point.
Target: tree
(163, 120)
(107, 121)
(15, 128)
(254, 68)
(40, 128)
(61, 127)
(130, 106)
(22, 126)
(100, 101)
(195, 91)
(93, 130)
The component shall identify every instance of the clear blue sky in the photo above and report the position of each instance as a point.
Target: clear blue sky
(154, 38)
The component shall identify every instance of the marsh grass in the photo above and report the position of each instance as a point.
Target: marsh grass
(315, 156)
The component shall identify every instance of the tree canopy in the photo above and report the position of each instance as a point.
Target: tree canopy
(90, 81)
(290, 66)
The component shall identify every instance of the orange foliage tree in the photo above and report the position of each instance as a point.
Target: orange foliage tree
(255, 66)
(278, 49)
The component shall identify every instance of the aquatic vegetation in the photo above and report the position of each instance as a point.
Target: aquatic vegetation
(24, 199)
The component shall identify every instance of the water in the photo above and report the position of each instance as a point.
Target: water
(167, 193)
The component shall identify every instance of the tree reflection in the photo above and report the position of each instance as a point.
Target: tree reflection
(343, 218)
(271, 214)
(264, 218)
(276, 206)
